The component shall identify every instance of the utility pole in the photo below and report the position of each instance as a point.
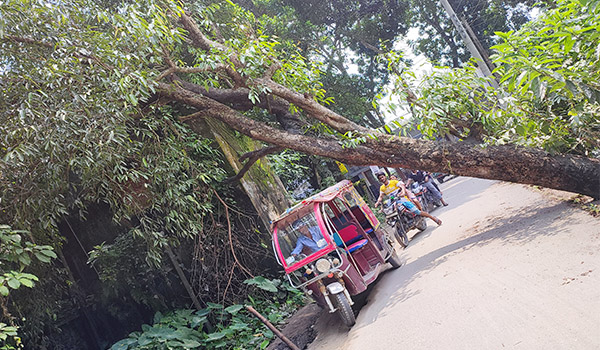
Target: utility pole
(482, 51)
(481, 62)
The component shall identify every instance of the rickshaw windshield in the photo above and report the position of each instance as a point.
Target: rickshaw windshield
(300, 238)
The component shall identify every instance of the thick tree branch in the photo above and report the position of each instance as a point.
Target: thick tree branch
(313, 108)
(252, 158)
(309, 105)
(508, 163)
(201, 41)
(238, 100)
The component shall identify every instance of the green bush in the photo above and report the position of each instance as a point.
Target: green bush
(217, 326)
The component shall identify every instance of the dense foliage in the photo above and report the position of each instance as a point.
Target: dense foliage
(15, 256)
(235, 327)
(104, 153)
(549, 96)
(441, 43)
(77, 145)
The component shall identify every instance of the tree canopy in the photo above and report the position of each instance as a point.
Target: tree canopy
(77, 72)
(439, 40)
(103, 104)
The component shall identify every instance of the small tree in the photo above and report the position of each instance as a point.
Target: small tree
(15, 256)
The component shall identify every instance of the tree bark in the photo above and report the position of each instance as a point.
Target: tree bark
(507, 163)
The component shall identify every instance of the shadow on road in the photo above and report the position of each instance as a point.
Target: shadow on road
(523, 227)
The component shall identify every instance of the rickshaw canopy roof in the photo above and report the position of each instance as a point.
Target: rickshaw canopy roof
(326, 195)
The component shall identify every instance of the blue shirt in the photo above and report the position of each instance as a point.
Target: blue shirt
(304, 241)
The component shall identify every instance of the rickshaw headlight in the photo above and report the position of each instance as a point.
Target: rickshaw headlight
(323, 265)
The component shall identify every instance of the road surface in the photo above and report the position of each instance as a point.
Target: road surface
(512, 267)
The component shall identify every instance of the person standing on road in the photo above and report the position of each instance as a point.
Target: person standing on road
(424, 179)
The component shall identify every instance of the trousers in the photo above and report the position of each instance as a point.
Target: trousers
(436, 194)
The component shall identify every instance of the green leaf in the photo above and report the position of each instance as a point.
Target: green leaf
(267, 285)
(4, 291)
(239, 326)
(197, 321)
(190, 344)
(203, 312)
(42, 257)
(124, 344)
(157, 317)
(215, 336)
(24, 259)
(47, 250)
(13, 283)
(233, 309)
(26, 282)
(214, 306)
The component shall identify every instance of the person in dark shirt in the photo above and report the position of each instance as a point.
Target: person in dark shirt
(425, 180)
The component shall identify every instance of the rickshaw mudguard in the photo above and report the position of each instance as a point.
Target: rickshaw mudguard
(353, 279)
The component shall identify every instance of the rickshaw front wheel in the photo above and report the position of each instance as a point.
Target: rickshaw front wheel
(344, 309)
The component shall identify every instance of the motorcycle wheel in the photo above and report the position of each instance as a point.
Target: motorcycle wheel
(429, 206)
(401, 235)
(395, 260)
(421, 224)
(344, 309)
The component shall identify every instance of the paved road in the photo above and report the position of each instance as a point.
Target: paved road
(510, 268)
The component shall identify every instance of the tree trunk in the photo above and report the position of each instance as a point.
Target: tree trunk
(264, 188)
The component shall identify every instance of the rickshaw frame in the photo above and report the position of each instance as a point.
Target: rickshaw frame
(355, 249)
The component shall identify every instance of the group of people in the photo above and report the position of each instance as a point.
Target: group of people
(406, 197)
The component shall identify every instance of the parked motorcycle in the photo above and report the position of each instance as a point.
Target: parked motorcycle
(428, 201)
(402, 220)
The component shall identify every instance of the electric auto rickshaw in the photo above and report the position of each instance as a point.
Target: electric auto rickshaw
(332, 246)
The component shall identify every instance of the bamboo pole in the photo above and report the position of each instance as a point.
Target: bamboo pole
(271, 327)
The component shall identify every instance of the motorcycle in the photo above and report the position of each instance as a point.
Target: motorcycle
(425, 197)
(402, 219)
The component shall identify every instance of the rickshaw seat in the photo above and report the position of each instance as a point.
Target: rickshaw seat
(357, 245)
(348, 235)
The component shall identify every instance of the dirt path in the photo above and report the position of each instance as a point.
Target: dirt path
(511, 267)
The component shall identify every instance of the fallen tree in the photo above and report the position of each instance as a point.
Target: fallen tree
(505, 162)
(226, 69)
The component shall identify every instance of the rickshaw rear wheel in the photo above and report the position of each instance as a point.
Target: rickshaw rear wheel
(344, 309)
(401, 235)
(395, 260)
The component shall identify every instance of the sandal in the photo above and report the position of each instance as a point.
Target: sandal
(438, 222)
